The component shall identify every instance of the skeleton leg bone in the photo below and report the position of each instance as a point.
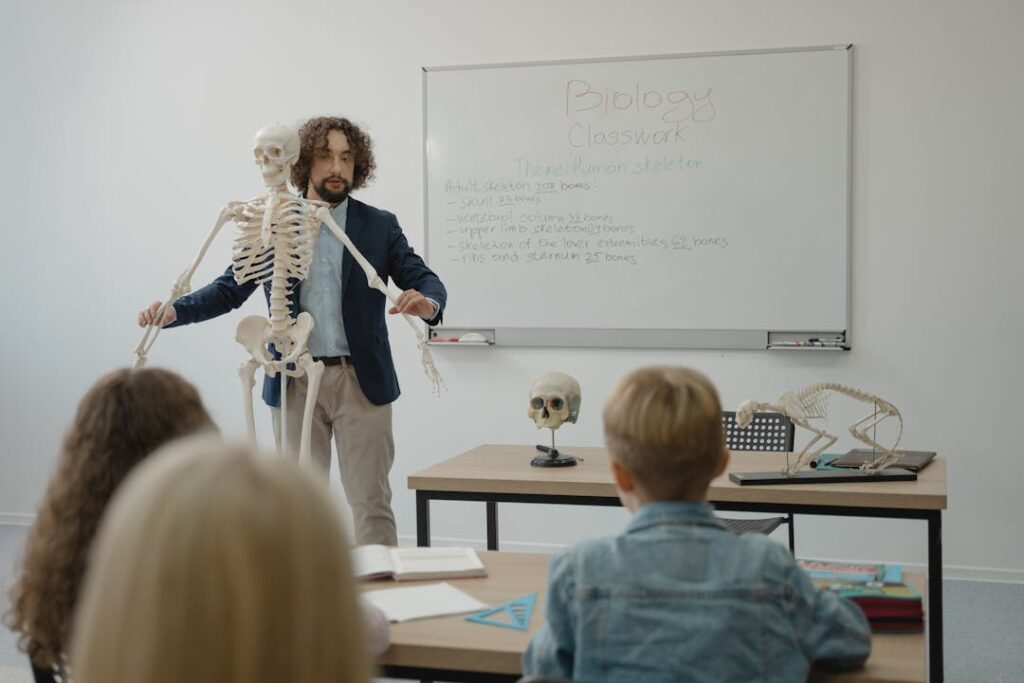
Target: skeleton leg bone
(860, 430)
(313, 370)
(281, 417)
(808, 452)
(284, 411)
(247, 373)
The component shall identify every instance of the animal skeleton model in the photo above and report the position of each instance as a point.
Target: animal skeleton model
(275, 240)
(811, 403)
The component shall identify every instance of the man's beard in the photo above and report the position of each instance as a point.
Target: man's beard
(333, 196)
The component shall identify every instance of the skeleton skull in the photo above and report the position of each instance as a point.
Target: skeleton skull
(554, 400)
(745, 413)
(276, 148)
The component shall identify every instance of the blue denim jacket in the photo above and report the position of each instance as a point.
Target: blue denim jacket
(678, 597)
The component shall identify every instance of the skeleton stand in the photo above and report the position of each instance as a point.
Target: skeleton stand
(554, 458)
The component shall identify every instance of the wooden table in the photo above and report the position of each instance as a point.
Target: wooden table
(502, 474)
(452, 649)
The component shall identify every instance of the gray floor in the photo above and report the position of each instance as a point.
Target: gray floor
(984, 626)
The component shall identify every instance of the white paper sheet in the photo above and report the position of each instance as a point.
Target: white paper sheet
(421, 602)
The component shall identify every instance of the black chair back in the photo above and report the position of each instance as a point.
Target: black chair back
(768, 432)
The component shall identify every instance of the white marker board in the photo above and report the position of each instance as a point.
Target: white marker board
(688, 200)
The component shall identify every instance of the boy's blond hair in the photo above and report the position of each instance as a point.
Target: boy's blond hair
(664, 426)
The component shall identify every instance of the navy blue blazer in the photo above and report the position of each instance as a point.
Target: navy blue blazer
(378, 236)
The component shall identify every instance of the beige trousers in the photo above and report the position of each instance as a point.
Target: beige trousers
(365, 444)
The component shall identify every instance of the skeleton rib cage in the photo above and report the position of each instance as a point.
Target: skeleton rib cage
(275, 245)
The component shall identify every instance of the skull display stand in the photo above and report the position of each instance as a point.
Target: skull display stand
(553, 457)
(812, 403)
(554, 400)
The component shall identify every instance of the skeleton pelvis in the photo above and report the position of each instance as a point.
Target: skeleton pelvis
(255, 332)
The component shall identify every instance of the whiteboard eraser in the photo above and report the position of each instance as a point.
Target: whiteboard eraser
(473, 337)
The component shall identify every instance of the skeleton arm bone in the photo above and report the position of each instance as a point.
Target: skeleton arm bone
(371, 274)
(180, 287)
(809, 452)
(377, 283)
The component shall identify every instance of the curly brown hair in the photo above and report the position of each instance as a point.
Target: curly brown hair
(124, 417)
(313, 137)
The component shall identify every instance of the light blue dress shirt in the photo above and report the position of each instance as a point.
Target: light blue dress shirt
(320, 294)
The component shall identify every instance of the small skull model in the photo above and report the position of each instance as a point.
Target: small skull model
(276, 149)
(554, 400)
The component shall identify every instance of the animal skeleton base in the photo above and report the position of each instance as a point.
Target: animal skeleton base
(811, 403)
(274, 241)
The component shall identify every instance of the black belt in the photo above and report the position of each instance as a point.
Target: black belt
(344, 361)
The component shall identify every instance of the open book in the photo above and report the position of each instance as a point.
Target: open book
(410, 564)
(423, 601)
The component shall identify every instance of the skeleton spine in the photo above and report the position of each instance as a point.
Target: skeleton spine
(842, 389)
(280, 294)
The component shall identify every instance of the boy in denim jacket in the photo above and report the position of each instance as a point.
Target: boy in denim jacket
(678, 597)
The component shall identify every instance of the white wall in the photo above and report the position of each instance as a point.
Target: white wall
(126, 127)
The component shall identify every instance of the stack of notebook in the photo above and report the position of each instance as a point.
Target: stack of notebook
(890, 605)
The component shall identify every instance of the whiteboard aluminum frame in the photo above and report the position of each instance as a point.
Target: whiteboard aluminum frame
(651, 338)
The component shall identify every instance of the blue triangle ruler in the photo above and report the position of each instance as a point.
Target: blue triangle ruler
(515, 614)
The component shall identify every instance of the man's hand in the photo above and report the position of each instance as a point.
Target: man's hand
(147, 316)
(413, 303)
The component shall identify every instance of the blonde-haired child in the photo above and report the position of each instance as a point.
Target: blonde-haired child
(677, 596)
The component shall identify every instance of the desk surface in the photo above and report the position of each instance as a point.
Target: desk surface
(506, 469)
(455, 644)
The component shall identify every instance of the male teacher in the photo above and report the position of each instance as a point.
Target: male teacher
(350, 336)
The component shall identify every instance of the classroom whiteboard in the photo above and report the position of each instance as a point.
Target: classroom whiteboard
(687, 200)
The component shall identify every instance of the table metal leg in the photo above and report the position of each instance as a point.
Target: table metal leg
(422, 519)
(492, 525)
(935, 660)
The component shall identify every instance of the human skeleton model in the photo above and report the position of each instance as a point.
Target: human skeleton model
(275, 239)
(812, 402)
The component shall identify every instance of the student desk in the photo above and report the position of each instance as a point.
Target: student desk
(502, 474)
(452, 649)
